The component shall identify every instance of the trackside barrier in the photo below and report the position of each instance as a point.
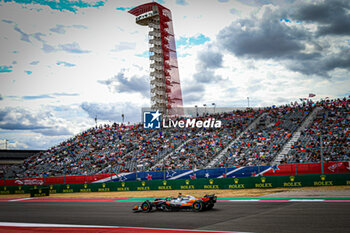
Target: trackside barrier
(276, 170)
(186, 184)
(39, 192)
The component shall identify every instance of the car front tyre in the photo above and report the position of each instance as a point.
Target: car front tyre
(146, 206)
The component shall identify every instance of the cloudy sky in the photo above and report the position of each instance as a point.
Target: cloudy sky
(62, 63)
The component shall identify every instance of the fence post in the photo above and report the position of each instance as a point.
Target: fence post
(296, 168)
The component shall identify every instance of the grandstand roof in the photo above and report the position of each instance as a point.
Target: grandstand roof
(17, 154)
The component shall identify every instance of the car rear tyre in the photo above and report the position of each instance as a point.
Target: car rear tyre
(197, 206)
(146, 206)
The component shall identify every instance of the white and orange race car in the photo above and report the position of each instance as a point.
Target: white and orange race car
(187, 202)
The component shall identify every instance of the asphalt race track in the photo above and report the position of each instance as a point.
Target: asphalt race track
(226, 216)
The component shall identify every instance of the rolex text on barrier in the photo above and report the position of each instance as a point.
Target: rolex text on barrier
(260, 182)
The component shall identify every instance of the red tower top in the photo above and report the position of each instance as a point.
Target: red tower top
(165, 80)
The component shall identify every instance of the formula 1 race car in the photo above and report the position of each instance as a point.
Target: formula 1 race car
(186, 202)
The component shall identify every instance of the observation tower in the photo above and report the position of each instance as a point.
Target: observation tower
(166, 93)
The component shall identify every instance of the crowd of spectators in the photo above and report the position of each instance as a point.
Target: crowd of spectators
(98, 150)
(331, 125)
(119, 148)
(260, 145)
(205, 143)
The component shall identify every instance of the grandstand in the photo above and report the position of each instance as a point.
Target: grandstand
(260, 145)
(247, 138)
(332, 123)
(11, 157)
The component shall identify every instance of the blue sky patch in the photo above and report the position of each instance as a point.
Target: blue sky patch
(285, 20)
(124, 8)
(144, 54)
(48, 48)
(181, 2)
(5, 69)
(58, 29)
(7, 21)
(201, 39)
(35, 97)
(183, 54)
(49, 96)
(73, 48)
(66, 64)
(160, 1)
(33, 63)
(28, 72)
(62, 5)
(65, 94)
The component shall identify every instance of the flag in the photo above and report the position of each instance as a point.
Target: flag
(311, 95)
(274, 168)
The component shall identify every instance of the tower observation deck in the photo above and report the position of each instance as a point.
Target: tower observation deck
(166, 93)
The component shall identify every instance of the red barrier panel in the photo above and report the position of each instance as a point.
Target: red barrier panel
(93, 178)
(33, 181)
(336, 167)
(283, 169)
(76, 179)
(54, 180)
(309, 168)
(344, 167)
(14, 182)
(330, 167)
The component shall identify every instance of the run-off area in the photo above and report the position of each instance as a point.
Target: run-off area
(226, 216)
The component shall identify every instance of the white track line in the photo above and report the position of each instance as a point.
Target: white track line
(244, 200)
(21, 199)
(307, 200)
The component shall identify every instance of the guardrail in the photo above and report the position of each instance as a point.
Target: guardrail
(187, 184)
